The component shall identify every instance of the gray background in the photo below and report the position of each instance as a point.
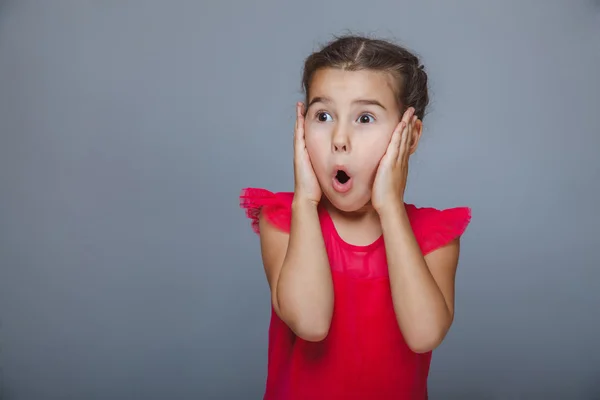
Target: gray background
(129, 127)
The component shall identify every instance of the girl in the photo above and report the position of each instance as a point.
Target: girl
(362, 283)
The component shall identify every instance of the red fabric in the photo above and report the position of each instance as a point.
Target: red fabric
(364, 355)
(277, 207)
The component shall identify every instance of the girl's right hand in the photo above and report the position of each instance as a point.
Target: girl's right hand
(306, 184)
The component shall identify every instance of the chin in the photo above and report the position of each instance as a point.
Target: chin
(347, 203)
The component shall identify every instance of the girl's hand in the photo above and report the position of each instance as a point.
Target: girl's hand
(306, 184)
(390, 180)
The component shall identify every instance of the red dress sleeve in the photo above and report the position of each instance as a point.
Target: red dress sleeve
(435, 228)
(277, 207)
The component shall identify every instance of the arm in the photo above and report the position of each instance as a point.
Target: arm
(422, 287)
(297, 269)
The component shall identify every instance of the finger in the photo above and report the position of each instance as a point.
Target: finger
(300, 119)
(296, 128)
(414, 130)
(297, 136)
(404, 150)
(297, 118)
(394, 145)
(402, 143)
(408, 115)
(299, 128)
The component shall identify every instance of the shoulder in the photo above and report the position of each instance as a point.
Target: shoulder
(435, 228)
(274, 207)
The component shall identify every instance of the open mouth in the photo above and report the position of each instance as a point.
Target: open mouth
(342, 177)
(342, 182)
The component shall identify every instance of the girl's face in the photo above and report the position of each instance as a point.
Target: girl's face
(350, 118)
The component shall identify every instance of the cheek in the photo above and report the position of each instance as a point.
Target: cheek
(317, 147)
(380, 145)
(377, 149)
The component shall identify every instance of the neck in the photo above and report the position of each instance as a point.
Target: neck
(366, 212)
(360, 227)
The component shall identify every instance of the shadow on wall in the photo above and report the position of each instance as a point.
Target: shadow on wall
(594, 7)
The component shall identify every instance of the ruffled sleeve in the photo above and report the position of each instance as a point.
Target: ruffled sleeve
(435, 228)
(277, 207)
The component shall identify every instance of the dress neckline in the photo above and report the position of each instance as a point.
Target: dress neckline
(326, 217)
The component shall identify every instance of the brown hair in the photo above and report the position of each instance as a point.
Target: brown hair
(354, 53)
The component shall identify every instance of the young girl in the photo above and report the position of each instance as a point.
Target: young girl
(362, 283)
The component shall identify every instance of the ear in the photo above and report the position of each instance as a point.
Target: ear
(416, 135)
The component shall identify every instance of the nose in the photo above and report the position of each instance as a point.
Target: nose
(340, 143)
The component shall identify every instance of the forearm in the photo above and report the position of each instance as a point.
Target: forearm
(419, 304)
(305, 289)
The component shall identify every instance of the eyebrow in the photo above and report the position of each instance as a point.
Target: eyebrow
(326, 100)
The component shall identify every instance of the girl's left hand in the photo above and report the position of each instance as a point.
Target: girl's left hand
(390, 179)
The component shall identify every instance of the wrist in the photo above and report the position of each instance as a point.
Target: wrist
(300, 203)
(392, 210)
(390, 206)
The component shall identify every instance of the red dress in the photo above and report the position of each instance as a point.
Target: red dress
(364, 355)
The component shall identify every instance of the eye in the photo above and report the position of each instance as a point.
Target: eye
(322, 116)
(365, 119)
